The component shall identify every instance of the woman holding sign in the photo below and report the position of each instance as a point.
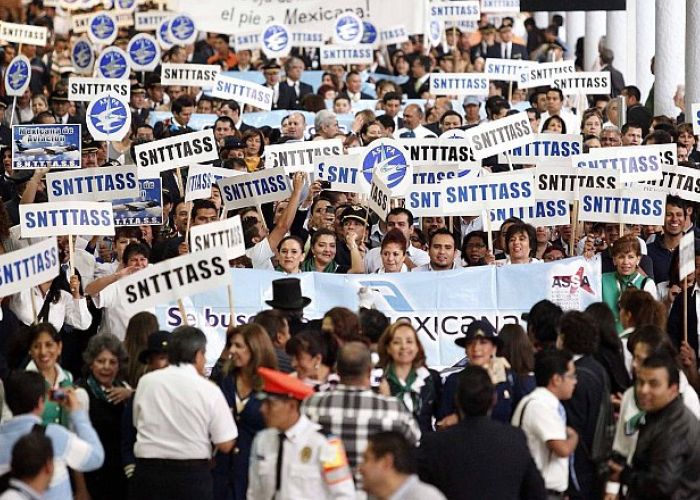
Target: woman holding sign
(626, 253)
(323, 250)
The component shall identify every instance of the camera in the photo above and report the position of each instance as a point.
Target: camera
(58, 395)
(325, 185)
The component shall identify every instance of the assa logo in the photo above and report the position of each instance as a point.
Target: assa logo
(573, 282)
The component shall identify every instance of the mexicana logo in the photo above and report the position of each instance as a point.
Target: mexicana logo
(107, 116)
(388, 161)
(390, 293)
(17, 74)
(370, 33)
(82, 55)
(143, 51)
(348, 29)
(182, 29)
(112, 63)
(102, 27)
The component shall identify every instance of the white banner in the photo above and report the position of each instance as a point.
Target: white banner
(226, 235)
(243, 92)
(504, 134)
(195, 75)
(270, 184)
(177, 151)
(173, 279)
(80, 22)
(59, 218)
(23, 33)
(301, 156)
(459, 84)
(339, 54)
(393, 35)
(629, 205)
(22, 269)
(86, 89)
(93, 184)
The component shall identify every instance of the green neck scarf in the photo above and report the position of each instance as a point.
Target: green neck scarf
(398, 388)
(310, 265)
(96, 389)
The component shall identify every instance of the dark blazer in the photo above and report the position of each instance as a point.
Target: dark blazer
(468, 461)
(517, 51)
(427, 402)
(617, 80)
(675, 322)
(641, 115)
(304, 90)
(287, 98)
(362, 95)
(409, 88)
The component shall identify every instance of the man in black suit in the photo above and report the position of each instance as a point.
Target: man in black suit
(579, 336)
(419, 83)
(675, 318)
(5, 131)
(479, 457)
(636, 113)
(293, 68)
(506, 49)
(353, 87)
(617, 80)
(139, 105)
(283, 97)
(60, 105)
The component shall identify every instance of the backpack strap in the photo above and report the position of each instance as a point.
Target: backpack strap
(522, 412)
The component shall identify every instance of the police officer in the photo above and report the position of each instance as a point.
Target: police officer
(292, 459)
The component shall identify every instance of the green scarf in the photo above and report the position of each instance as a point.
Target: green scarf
(626, 282)
(309, 265)
(96, 389)
(400, 389)
(632, 425)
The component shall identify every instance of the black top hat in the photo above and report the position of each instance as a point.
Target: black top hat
(286, 294)
(477, 329)
(157, 344)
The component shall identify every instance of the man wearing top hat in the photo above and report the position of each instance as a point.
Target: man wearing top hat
(287, 298)
(292, 459)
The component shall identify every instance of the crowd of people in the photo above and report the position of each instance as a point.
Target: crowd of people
(100, 403)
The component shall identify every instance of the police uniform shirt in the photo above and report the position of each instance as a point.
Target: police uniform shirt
(116, 316)
(313, 466)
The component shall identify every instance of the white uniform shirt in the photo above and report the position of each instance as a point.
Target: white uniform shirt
(260, 255)
(572, 121)
(541, 423)
(67, 310)
(115, 316)
(178, 414)
(373, 258)
(309, 463)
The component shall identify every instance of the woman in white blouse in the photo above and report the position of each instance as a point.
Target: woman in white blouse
(393, 252)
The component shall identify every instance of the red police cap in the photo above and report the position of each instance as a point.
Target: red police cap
(276, 383)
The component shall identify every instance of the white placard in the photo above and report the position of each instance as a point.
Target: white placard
(564, 183)
(438, 151)
(23, 33)
(173, 279)
(200, 179)
(86, 89)
(264, 186)
(197, 75)
(226, 235)
(546, 147)
(80, 22)
(339, 54)
(307, 39)
(31, 266)
(504, 134)
(512, 189)
(500, 6)
(344, 172)
(243, 92)
(93, 184)
(636, 163)
(57, 218)
(459, 84)
(509, 70)
(393, 35)
(678, 181)
(629, 205)
(590, 82)
(686, 255)
(151, 19)
(542, 213)
(464, 10)
(379, 197)
(300, 156)
(696, 118)
(543, 74)
(177, 151)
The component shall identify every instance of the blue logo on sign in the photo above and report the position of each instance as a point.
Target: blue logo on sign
(275, 38)
(113, 65)
(143, 51)
(182, 28)
(370, 33)
(347, 28)
(435, 31)
(126, 4)
(391, 294)
(17, 74)
(102, 27)
(385, 159)
(108, 114)
(82, 55)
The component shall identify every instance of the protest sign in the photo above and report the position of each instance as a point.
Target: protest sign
(307, 39)
(270, 184)
(18, 76)
(459, 84)
(393, 35)
(542, 75)
(379, 197)
(504, 134)
(587, 82)
(347, 29)
(678, 181)
(509, 70)
(491, 191)
(144, 52)
(124, 18)
(428, 175)
(635, 163)
(434, 151)
(31, 266)
(146, 208)
(385, 157)
(225, 235)
(108, 117)
(627, 205)
(173, 279)
(344, 172)
(557, 182)
(112, 63)
(86, 89)
(45, 146)
(57, 218)
(23, 34)
(542, 213)
(242, 92)
(340, 54)
(247, 40)
(198, 75)
(82, 56)
(102, 28)
(200, 179)
(93, 184)
(300, 156)
(547, 147)
(150, 19)
(80, 22)
(458, 9)
(177, 151)
(696, 118)
(686, 251)
(276, 40)
(182, 30)
(500, 6)
(425, 201)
